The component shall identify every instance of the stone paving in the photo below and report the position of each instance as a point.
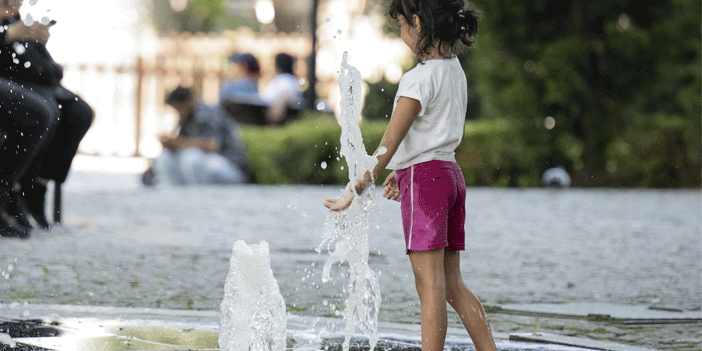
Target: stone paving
(124, 245)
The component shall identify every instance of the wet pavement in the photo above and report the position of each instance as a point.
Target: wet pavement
(78, 328)
(627, 314)
(124, 246)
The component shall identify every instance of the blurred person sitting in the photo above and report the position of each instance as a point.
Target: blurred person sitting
(244, 85)
(283, 91)
(239, 96)
(25, 62)
(207, 149)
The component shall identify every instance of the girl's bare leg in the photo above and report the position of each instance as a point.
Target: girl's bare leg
(429, 278)
(468, 307)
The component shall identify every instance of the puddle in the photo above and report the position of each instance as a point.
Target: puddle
(75, 334)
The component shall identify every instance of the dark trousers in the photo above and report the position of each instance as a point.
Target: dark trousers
(55, 158)
(27, 122)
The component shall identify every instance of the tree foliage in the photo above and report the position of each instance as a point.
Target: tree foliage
(620, 78)
(602, 69)
(198, 16)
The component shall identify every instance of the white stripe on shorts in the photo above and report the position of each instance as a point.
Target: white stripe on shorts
(409, 242)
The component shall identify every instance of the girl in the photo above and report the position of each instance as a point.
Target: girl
(426, 126)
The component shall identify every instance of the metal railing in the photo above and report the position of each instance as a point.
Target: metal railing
(129, 99)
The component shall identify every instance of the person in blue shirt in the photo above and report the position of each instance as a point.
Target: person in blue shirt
(243, 88)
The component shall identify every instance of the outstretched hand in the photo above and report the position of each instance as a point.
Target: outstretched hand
(344, 201)
(391, 191)
(340, 203)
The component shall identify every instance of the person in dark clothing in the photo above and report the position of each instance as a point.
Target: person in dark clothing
(207, 149)
(25, 62)
(26, 122)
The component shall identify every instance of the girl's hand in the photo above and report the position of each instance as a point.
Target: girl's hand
(391, 191)
(340, 203)
(363, 183)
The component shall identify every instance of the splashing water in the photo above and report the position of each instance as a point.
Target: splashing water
(347, 230)
(253, 310)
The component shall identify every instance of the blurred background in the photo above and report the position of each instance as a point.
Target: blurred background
(607, 89)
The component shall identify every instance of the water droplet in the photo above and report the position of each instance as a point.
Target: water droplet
(338, 31)
(27, 64)
(324, 165)
(327, 20)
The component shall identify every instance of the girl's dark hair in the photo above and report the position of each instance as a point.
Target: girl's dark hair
(444, 22)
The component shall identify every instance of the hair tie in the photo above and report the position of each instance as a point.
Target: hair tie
(462, 16)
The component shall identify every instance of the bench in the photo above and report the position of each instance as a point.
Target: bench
(254, 113)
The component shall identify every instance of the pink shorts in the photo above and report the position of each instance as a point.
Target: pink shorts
(433, 205)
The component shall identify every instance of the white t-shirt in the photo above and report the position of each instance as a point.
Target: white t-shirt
(283, 86)
(441, 88)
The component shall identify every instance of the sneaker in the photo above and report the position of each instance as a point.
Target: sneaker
(10, 228)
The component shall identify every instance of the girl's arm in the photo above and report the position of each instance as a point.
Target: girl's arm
(405, 113)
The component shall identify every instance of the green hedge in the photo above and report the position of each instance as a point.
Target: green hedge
(491, 153)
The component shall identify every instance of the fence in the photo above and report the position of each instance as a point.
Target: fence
(128, 99)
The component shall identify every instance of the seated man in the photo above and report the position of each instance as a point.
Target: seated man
(207, 149)
(244, 85)
(283, 91)
(28, 70)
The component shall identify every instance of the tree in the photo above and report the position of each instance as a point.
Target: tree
(196, 16)
(596, 67)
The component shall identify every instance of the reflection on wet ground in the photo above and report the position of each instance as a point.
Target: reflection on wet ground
(114, 335)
